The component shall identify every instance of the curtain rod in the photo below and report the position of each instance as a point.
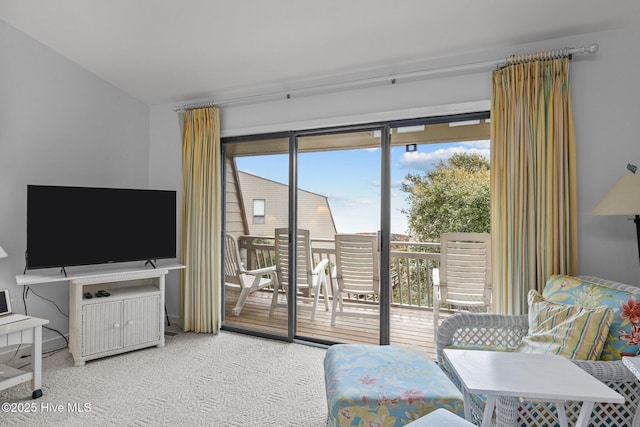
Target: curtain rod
(394, 78)
(194, 106)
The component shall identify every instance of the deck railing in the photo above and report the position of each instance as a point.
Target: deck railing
(411, 269)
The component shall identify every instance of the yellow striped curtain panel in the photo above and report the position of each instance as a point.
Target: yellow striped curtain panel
(533, 180)
(201, 220)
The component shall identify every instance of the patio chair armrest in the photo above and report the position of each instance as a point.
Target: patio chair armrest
(260, 271)
(481, 331)
(435, 280)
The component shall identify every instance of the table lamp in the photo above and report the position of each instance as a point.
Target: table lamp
(623, 199)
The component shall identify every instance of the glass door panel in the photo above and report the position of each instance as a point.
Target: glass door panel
(338, 183)
(256, 203)
(420, 211)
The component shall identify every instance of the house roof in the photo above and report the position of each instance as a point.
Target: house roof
(171, 51)
(274, 183)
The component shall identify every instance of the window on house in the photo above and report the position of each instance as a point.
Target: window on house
(258, 211)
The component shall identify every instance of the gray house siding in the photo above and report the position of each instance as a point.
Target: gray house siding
(314, 212)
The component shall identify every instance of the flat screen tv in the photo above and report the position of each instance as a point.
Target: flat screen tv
(71, 226)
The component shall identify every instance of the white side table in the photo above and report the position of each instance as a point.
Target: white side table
(539, 377)
(20, 329)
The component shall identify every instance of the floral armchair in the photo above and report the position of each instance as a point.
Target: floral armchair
(505, 332)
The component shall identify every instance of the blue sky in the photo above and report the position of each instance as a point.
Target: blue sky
(351, 179)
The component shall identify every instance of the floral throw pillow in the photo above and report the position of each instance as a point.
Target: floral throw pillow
(624, 335)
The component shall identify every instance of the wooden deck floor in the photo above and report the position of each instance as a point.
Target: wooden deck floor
(408, 326)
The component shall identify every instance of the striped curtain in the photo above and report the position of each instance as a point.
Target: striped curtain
(201, 221)
(533, 180)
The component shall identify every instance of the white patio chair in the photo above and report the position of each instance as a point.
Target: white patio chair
(308, 277)
(356, 271)
(237, 278)
(464, 277)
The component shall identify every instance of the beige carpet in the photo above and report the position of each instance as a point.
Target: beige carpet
(195, 380)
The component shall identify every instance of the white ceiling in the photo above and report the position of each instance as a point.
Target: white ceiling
(163, 51)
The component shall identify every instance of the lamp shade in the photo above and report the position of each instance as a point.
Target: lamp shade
(622, 199)
(3, 254)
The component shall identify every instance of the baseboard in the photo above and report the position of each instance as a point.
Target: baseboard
(173, 319)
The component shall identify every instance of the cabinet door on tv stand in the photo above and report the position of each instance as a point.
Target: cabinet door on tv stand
(141, 320)
(101, 327)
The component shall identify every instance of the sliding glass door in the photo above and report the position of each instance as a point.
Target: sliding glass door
(332, 231)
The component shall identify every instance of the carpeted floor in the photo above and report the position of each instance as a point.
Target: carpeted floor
(195, 380)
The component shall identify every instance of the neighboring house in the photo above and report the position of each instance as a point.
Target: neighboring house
(257, 206)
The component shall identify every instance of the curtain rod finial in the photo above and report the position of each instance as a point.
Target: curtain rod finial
(592, 48)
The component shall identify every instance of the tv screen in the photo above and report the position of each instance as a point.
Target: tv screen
(68, 226)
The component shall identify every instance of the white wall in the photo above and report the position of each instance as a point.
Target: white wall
(59, 125)
(606, 99)
(165, 172)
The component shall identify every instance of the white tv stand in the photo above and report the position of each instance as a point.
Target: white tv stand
(130, 318)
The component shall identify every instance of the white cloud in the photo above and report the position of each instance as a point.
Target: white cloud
(485, 144)
(425, 161)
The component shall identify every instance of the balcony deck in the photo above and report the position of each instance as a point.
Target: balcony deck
(408, 325)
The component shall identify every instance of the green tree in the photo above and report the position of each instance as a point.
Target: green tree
(453, 197)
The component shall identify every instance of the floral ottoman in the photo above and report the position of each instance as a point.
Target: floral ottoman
(384, 386)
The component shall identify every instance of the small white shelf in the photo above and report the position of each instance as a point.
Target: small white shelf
(117, 294)
(23, 329)
(10, 376)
